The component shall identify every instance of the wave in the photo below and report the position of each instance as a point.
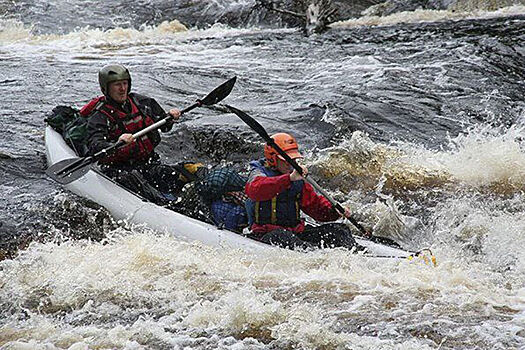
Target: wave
(486, 159)
(12, 31)
(15, 33)
(421, 16)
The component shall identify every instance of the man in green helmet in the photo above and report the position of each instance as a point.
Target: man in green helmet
(116, 116)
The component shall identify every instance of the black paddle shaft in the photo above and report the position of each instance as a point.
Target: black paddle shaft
(69, 170)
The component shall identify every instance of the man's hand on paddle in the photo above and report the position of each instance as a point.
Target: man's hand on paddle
(127, 138)
(175, 113)
(295, 176)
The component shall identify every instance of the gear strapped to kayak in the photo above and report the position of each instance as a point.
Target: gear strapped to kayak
(73, 128)
(212, 195)
(223, 190)
(219, 182)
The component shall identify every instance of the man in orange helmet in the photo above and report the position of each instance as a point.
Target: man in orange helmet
(277, 194)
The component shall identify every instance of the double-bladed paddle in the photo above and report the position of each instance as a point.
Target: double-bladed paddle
(252, 123)
(69, 170)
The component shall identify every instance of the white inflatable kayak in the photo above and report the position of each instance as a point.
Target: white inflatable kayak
(125, 205)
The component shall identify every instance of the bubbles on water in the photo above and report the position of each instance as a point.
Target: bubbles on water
(483, 229)
(506, 6)
(244, 312)
(12, 31)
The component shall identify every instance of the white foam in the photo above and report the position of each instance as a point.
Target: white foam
(483, 157)
(18, 33)
(168, 32)
(419, 16)
(171, 290)
(488, 156)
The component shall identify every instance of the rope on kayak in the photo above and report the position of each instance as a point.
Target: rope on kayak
(427, 259)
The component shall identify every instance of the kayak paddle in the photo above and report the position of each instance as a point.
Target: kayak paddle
(252, 123)
(69, 170)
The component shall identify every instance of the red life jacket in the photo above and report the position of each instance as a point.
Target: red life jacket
(123, 123)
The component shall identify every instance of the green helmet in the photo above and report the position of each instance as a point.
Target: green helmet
(111, 73)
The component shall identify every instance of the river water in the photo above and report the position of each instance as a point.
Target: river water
(417, 126)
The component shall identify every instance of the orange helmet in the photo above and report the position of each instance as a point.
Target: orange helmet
(287, 143)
